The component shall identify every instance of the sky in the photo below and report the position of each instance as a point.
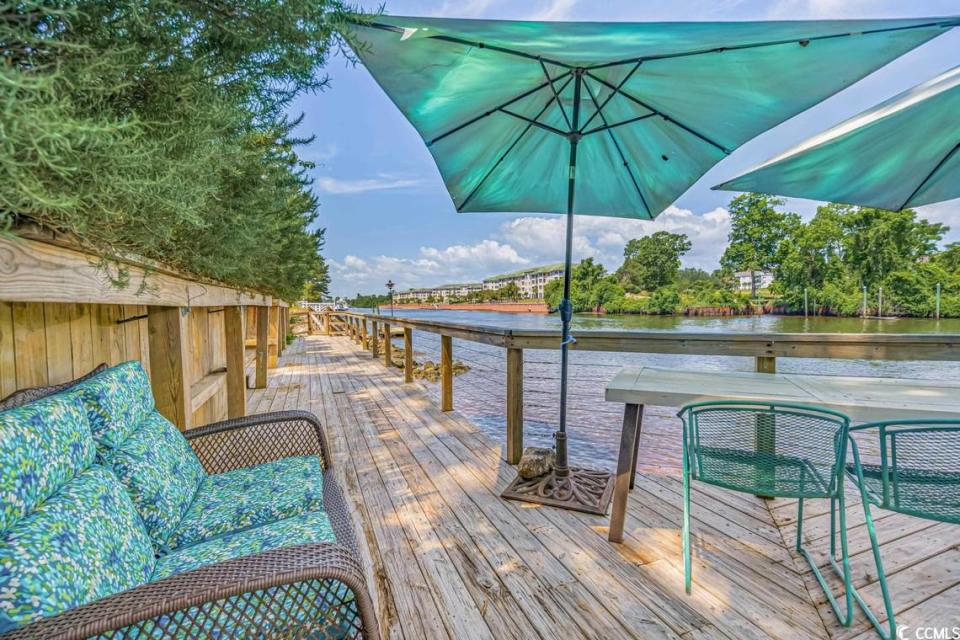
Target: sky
(388, 216)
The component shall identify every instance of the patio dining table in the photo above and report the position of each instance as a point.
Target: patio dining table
(864, 399)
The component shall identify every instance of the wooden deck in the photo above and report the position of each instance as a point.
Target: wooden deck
(448, 558)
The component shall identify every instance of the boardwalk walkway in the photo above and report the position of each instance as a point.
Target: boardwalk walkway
(449, 559)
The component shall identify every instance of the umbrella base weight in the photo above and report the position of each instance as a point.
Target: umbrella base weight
(583, 490)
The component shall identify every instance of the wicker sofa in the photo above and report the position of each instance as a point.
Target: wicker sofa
(115, 524)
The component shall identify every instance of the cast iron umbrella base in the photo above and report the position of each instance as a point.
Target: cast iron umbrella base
(585, 490)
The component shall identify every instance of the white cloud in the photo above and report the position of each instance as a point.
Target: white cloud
(432, 266)
(530, 241)
(329, 184)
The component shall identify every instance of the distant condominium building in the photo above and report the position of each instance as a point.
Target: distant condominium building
(443, 292)
(530, 282)
(761, 280)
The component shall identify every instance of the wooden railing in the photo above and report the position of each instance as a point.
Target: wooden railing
(365, 329)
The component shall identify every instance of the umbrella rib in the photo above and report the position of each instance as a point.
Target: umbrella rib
(534, 122)
(610, 97)
(771, 43)
(556, 94)
(622, 123)
(663, 115)
(623, 158)
(509, 149)
(930, 175)
(497, 108)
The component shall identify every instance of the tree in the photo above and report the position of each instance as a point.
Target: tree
(757, 229)
(159, 128)
(509, 291)
(813, 255)
(652, 261)
(879, 242)
(949, 258)
(588, 273)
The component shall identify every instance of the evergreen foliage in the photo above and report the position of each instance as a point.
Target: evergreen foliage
(158, 128)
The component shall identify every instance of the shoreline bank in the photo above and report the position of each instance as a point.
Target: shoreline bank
(537, 307)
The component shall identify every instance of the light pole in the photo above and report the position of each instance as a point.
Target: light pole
(390, 287)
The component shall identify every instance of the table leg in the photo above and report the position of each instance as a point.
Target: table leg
(625, 465)
(636, 446)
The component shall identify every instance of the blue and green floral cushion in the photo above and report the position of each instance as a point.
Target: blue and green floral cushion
(308, 527)
(251, 496)
(161, 473)
(117, 401)
(84, 543)
(43, 445)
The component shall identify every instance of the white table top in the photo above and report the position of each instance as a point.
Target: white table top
(863, 399)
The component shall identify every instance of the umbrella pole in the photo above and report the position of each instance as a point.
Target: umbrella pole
(569, 488)
(561, 467)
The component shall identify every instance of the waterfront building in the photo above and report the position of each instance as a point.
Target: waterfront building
(760, 280)
(531, 282)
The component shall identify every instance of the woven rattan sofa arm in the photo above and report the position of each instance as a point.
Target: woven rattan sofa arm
(287, 573)
(243, 442)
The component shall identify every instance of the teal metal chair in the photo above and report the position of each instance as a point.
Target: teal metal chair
(770, 449)
(918, 474)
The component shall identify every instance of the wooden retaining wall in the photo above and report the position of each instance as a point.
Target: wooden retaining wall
(61, 316)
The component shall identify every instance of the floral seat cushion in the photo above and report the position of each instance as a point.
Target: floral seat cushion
(251, 496)
(308, 527)
(303, 609)
(70, 533)
(147, 452)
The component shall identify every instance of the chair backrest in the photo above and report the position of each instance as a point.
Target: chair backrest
(69, 533)
(777, 449)
(23, 396)
(147, 453)
(916, 468)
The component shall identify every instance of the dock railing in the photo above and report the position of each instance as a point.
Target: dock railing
(366, 330)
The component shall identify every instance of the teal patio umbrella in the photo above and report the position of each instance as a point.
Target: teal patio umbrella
(609, 119)
(904, 152)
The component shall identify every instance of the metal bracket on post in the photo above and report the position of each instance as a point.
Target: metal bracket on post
(566, 316)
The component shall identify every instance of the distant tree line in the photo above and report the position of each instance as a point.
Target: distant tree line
(828, 261)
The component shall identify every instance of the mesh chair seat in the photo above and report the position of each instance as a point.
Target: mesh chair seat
(766, 473)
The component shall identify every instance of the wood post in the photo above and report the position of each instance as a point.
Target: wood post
(387, 347)
(234, 343)
(169, 339)
(766, 426)
(326, 323)
(364, 338)
(263, 347)
(514, 405)
(273, 324)
(766, 364)
(375, 340)
(407, 354)
(446, 373)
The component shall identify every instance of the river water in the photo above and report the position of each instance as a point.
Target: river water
(594, 425)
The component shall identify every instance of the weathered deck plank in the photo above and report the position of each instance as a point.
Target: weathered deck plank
(447, 558)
